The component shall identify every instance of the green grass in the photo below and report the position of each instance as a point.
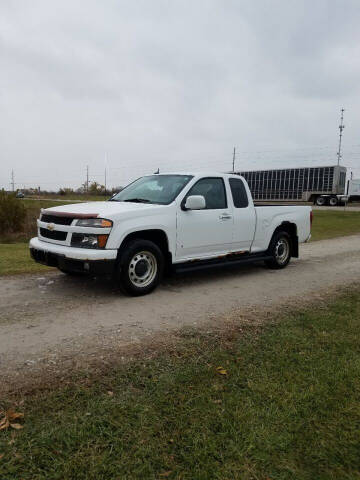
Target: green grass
(74, 197)
(287, 409)
(330, 224)
(38, 204)
(15, 258)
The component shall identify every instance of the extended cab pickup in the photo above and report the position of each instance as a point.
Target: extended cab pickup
(183, 221)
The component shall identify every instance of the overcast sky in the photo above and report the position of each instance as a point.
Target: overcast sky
(175, 84)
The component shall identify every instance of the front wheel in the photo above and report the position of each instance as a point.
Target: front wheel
(279, 251)
(140, 267)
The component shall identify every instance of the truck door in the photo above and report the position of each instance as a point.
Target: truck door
(244, 216)
(206, 232)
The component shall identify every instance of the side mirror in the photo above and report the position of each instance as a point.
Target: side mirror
(195, 202)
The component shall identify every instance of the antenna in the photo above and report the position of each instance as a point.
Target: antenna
(341, 128)
(13, 180)
(233, 169)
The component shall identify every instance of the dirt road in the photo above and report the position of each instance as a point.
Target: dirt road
(45, 316)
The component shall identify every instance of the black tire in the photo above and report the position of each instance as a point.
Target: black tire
(333, 201)
(279, 250)
(140, 267)
(320, 201)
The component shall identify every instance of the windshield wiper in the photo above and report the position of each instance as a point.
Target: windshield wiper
(137, 200)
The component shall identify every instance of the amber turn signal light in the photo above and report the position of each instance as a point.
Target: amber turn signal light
(102, 239)
(106, 223)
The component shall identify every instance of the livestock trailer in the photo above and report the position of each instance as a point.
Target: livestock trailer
(310, 184)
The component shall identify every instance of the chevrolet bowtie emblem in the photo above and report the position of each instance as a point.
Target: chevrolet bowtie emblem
(50, 226)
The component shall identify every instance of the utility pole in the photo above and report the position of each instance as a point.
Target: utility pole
(233, 169)
(13, 180)
(105, 181)
(87, 178)
(106, 163)
(341, 128)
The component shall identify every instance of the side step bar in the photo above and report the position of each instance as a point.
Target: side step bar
(206, 264)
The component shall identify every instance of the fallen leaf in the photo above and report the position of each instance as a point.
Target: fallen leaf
(5, 425)
(11, 415)
(166, 474)
(110, 393)
(16, 426)
(1, 455)
(221, 370)
(8, 418)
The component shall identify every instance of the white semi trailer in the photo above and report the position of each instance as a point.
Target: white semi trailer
(320, 185)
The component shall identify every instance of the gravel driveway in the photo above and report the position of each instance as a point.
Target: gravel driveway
(45, 316)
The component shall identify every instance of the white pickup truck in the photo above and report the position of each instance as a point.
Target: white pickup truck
(183, 221)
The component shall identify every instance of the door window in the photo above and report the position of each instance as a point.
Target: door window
(238, 192)
(213, 190)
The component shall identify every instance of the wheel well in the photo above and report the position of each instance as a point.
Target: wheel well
(156, 236)
(291, 229)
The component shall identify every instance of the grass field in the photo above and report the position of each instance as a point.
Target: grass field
(286, 406)
(15, 258)
(330, 224)
(72, 197)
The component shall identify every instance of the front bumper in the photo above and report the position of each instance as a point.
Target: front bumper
(85, 260)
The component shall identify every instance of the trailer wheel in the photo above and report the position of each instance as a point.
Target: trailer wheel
(333, 201)
(279, 250)
(320, 201)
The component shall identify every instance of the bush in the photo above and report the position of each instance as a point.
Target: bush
(12, 213)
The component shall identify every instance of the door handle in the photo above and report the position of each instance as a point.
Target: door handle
(225, 216)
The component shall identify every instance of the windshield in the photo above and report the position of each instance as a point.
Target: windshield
(162, 189)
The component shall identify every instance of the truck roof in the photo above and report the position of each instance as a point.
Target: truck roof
(200, 173)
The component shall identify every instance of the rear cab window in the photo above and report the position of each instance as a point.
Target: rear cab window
(238, 192)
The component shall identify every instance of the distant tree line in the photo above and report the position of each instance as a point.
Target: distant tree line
(94, 188)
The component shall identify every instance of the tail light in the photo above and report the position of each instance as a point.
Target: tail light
(311, 218)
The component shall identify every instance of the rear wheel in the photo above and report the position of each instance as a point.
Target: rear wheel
(320, 201)
(279, 250)
(333, 201)
(140, 267)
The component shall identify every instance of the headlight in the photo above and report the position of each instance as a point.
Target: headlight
(94, 222)
(84, 240)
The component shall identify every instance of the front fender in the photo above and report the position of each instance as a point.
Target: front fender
(124, 228)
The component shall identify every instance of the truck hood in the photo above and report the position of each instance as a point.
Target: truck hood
(101, 209)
